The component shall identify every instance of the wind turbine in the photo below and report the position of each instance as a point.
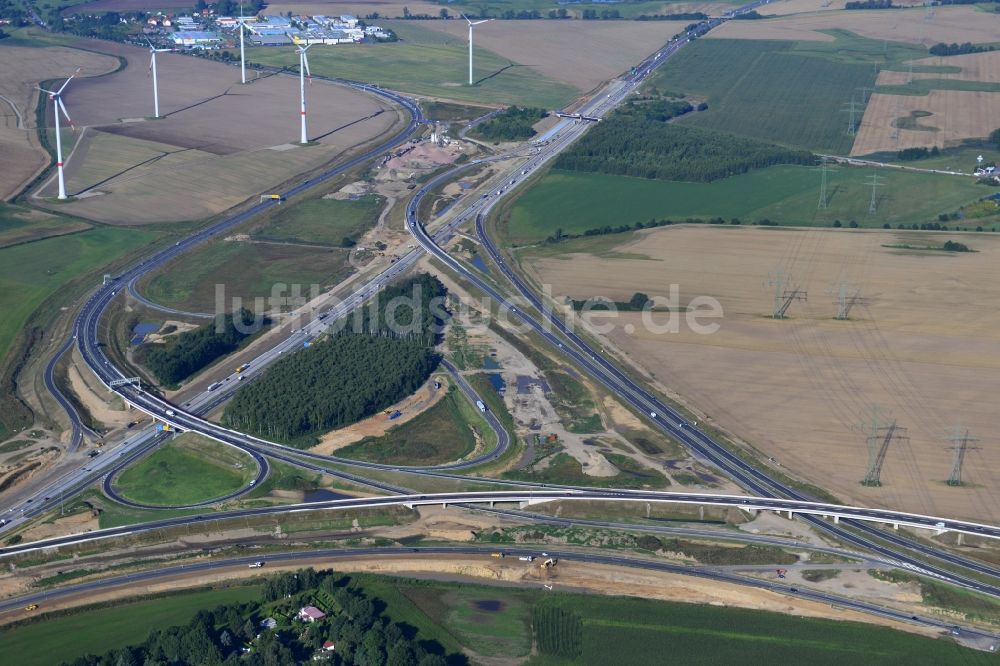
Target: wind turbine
(243, 61)
(472, 23)
(57, 106)
(152, 68)
(303, 73)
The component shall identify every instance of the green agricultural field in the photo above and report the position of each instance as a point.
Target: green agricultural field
(31, 272)
(787, 195)
(19, 225)
(323, 221)
(430, 63)
(247, 270)
(441, 434)
(792, 93)
(626, 630)
(187, 469)
(97, 630)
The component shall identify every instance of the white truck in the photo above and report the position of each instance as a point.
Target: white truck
(481, 405)
(256, 565)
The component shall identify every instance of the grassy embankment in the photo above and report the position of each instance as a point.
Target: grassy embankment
(188, 469)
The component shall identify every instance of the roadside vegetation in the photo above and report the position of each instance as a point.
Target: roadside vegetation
(513, 124)
(331, 222)
(186, 353)
(446, 432)
(379, 354)
(186, 470)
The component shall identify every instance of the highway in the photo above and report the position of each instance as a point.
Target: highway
(565, 557)
(769, 494)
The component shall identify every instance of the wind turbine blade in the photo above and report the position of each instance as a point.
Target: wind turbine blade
(152, 59)
(305, 61)
(62, 107)
(48, 92)
(466, 18)
(66, 83)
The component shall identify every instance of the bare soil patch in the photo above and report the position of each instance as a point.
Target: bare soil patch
(925, 350)
(949, 24)
(557, 49)
(217, 143)
(955, 115)
(21, 69)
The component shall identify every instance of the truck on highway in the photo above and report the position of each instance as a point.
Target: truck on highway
(527, 558)
(241, 368)
(481, 405)
(214, 386)
(498, 554)
(256, 565)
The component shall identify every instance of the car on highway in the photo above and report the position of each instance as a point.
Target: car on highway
(256, 565)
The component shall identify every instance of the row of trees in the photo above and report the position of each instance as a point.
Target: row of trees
(191, 351)
(911, 154)
(942, 49)
(681, 16)
(870, 4)
(379, 355)
(360, 631)
(512, 124)
(631, 145)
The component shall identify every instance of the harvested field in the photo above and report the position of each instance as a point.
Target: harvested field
(954, 115)
(124, 6)
(972, 67)
(390, 8)
(786, 7)
(949, 24)
(557, 48)
(218, 144)
(798, 389)
(21, 69)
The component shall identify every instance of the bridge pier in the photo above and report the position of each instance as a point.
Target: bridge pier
(895, 526)
(790, 515)
(836, 519)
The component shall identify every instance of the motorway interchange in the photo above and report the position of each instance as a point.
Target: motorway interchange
(766, 493)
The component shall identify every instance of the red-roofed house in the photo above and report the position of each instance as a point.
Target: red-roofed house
(329, 646)
(311, 614)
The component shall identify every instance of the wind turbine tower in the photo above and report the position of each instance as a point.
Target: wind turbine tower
(303, 73)
(471, 24)
(243, 60)
(57, 106)
(152, 70)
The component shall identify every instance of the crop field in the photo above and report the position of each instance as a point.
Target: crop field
(555, 49)
(948, 24)
(62, 639)
(21, 69)
(947, 117)
(787, 195)
(799, 389)
(441, 434)
(592, 629)
(23, 225)
(958, 99)
(217, 144)
(187, 469)
(246, 269)
(324, 221)
(31, 272)
(429, 63)
(777, 91)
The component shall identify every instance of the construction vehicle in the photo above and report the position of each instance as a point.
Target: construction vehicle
(256, 565)
(551, 562)
(31, 607)
(242, 368)
(395, 415)
(498, 554)
(272, 197)
(527, 558)
(782, 572)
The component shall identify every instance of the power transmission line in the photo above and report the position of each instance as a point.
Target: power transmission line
(875, 181)
(784, 293)
(879, 435)
(961, 444)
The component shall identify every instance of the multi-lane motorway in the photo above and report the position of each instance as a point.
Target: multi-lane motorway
(770, 493)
